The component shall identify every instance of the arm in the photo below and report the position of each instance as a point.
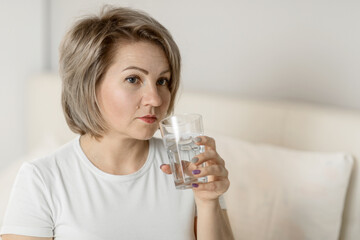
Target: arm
(212, 223)
(19, 237)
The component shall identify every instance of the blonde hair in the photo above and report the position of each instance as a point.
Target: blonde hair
(88, 50)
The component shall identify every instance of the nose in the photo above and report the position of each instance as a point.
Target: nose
(151, 97)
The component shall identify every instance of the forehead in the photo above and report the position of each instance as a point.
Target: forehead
(143, 53)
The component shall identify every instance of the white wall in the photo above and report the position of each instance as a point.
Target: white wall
(300, 50)
(21, 55)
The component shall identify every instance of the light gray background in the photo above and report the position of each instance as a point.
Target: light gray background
(303, 50)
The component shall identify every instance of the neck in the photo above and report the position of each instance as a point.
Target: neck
(115, 155)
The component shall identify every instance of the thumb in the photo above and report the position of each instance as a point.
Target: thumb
(165, 168)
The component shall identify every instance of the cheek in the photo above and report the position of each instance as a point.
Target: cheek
(123, 102)
(166, 99)
(117, 102)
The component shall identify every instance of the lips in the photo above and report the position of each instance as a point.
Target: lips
(148, 118)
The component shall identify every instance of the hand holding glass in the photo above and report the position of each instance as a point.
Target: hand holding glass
(179, 133)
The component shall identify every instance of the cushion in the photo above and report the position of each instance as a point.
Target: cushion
(279, 194)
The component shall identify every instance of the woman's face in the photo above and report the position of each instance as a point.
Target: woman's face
(133, 95)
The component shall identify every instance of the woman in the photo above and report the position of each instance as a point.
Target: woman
(120, 73)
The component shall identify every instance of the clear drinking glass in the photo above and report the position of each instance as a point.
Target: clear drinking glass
(179, 133)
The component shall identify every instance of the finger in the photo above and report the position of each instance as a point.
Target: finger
(208, 142)
(209, 155)
(166, 168)
(213, 170)
(218, 187)
(185, 167)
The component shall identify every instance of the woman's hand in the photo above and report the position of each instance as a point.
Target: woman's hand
(218, 182)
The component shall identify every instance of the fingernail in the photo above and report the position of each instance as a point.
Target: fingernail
(162, 165)
(195, 185)
(194, 159)
(197, 139)
(196, 171)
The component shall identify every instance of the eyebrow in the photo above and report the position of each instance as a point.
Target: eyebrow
(143, 70)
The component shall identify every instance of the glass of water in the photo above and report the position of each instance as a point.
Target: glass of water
(179, 133)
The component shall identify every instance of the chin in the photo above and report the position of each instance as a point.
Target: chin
(145, 135)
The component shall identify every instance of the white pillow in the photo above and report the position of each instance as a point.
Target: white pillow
(280, 194)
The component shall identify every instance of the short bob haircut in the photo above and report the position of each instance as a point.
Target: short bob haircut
(87, 51)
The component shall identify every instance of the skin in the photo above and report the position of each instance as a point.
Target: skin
(136, 85)
(138, 77)
(212, 222)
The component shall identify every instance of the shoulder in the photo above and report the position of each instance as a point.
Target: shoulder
(51, 163)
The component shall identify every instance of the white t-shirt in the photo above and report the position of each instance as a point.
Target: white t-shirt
(65, 196)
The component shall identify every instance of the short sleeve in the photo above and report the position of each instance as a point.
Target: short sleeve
(28, 212)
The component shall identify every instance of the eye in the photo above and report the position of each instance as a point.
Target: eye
(163, 82)
(132, 79)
